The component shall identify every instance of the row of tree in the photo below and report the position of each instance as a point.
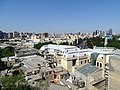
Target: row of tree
(99, 42)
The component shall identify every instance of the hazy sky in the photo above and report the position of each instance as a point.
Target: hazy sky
(59, 15)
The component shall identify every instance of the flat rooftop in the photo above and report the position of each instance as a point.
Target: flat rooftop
(58, 47)
(34, 61)
(31, 63)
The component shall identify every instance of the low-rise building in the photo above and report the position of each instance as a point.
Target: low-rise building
(3, 45)
(28, 44)
(39, 67)
(60, 73)
(9, 61)
(34, 65)
(91, 75)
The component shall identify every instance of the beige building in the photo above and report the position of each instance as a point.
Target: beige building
(34, 65)
(70, 63)
(36, 68)
(69, 57)
(35, 38)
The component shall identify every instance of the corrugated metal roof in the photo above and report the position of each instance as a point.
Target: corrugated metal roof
(87, 69)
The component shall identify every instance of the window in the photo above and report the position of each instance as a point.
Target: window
(97, 64)
(85, 61)
(50, 72)
(100, 64)
(10, 63)
(59, 61)
(81, 62)
(73, 55)
(74, 78)
(88, 61)
(73, 62)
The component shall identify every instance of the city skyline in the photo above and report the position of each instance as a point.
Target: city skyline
(59, 16)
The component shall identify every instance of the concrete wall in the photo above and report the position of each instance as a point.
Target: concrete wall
(114, 74)
(100, 85)
(86, 78)
(64, 63)
(68, 64)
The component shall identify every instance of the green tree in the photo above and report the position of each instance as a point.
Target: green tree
(2, 66)
(7, 52)
(10, 82)
(114, 43)
(99, 42)
(39, 45)
(17, 82)
(64, 43)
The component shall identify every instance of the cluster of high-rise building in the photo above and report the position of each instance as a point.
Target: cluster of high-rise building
(22, 35)
(12, 35)
(53, 36)
(45, 37)
(100, 33)
(3, 35)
